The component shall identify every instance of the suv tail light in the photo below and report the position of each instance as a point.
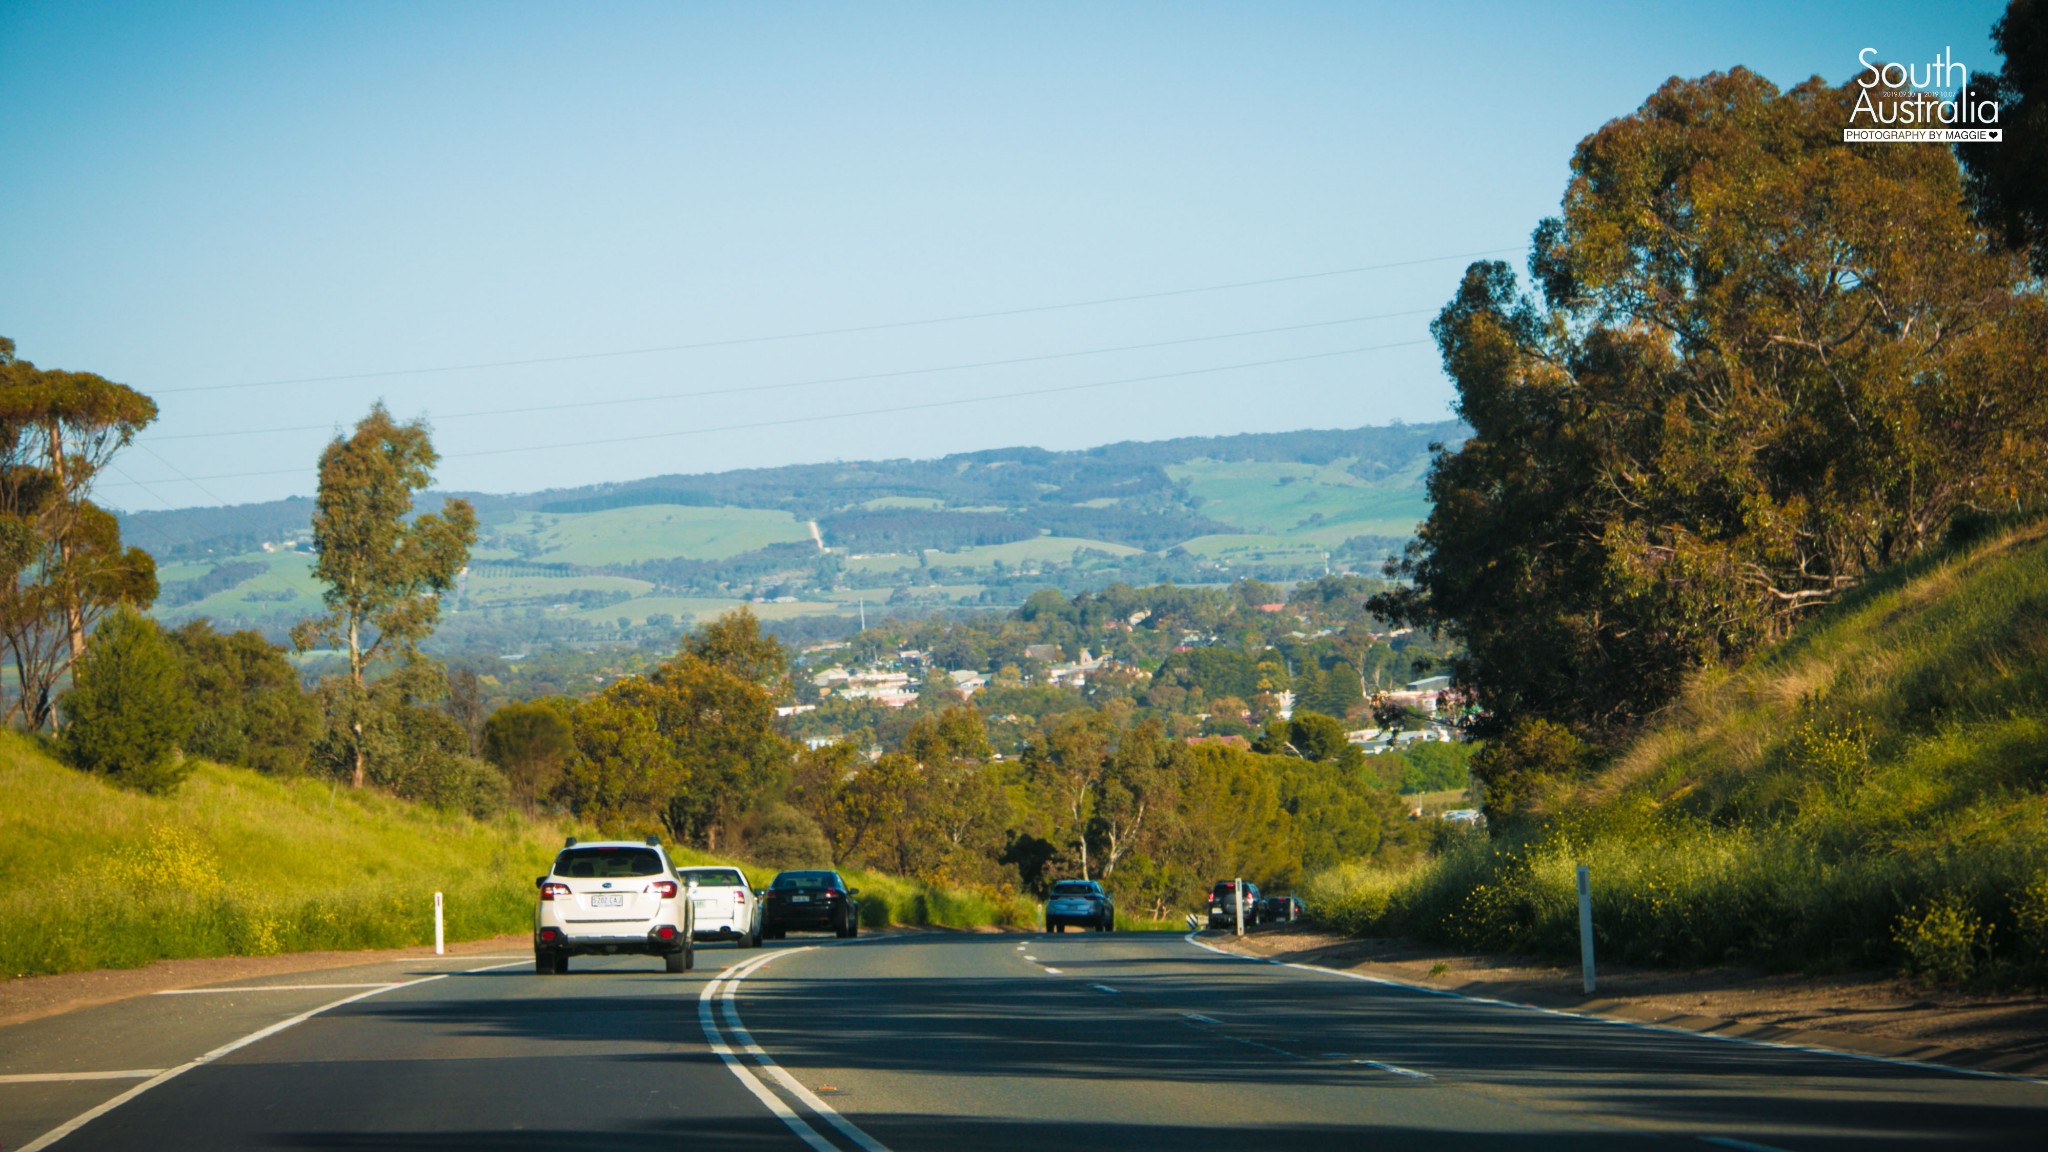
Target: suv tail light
(666, 889)
(831, 893)
(551, 890)
(739, 896)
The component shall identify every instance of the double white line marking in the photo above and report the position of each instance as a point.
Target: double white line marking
(721, 989)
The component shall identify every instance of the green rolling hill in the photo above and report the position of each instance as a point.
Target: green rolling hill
(638, 561)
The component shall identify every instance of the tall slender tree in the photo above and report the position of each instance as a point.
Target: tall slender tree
(62, 565)
(384, 574)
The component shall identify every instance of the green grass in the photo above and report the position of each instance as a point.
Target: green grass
(652, 532)
(291, 571)
(238, 863)
(486, 591)
(1873, 791)
(1248, 548)
(1040, 549)
(885, 562)
(1322, 503)
(702, 608)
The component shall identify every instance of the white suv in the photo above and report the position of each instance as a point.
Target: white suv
(608, 897)
(726, 908)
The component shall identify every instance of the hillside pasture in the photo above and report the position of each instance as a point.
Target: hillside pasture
(1038, 550)
(652, 532)
(1326, 502)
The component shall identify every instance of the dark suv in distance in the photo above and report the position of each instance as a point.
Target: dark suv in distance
(812, 900)
(1223, 905)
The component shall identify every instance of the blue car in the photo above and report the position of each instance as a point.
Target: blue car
(1081, 903)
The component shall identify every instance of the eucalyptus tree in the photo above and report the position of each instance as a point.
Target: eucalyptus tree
(1761, 364)
(385, 569)
(62, 565)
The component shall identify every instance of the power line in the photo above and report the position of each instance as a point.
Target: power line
(752, 388)
(789, 420)
(850, 330)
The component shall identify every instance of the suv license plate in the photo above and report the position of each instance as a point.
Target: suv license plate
(608, 900)
(799, 899)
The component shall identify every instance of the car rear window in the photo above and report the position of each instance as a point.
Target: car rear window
(806, 880)
(607, 863)
(1073, 889)
(717, 878)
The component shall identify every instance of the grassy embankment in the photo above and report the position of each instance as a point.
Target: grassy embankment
(238, 863)
(1871, 792)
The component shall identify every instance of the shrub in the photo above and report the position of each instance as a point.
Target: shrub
(249, 708)
(1943, 939)
(1514, 771)
(128, 709)
(532, 743)
(2030, 916)
(1435, 766)
(782, 837)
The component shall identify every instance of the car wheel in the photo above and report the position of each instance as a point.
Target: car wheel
(543, 963)
(852, 927)
(561, 963)
(676, 962)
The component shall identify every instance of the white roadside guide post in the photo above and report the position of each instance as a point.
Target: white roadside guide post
(1586, 925)
(1237, 899)
(439, 948)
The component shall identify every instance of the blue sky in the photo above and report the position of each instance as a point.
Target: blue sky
(195, 198)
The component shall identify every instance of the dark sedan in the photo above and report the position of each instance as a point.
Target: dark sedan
(1284, 908)
(809, 901)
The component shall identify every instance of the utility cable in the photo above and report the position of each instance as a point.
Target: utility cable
(752, 388)
(845, 331)
(930, 404)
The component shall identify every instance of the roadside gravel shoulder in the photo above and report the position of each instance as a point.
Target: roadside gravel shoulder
(1872, 1013)
(28, 998)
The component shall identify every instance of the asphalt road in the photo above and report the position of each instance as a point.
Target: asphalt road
(942, 1042)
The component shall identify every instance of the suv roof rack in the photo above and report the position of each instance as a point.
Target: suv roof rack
(654, 841)
(571, 843)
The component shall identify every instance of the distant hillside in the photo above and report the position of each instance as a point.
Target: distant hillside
(634, 561)
(1874, 790)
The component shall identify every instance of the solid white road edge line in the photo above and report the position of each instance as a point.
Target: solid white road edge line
(272, 988)
(747, 1079)
(91, 1114)
(745, 1038)
(1739, 1145)
(1396, 1069)
(1810, 1049)
(51, 1077)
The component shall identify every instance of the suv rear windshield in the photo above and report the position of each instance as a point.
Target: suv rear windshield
(1223, 888)
(716, 878)
(1072, 888)
(607, 863)
(806, 880)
